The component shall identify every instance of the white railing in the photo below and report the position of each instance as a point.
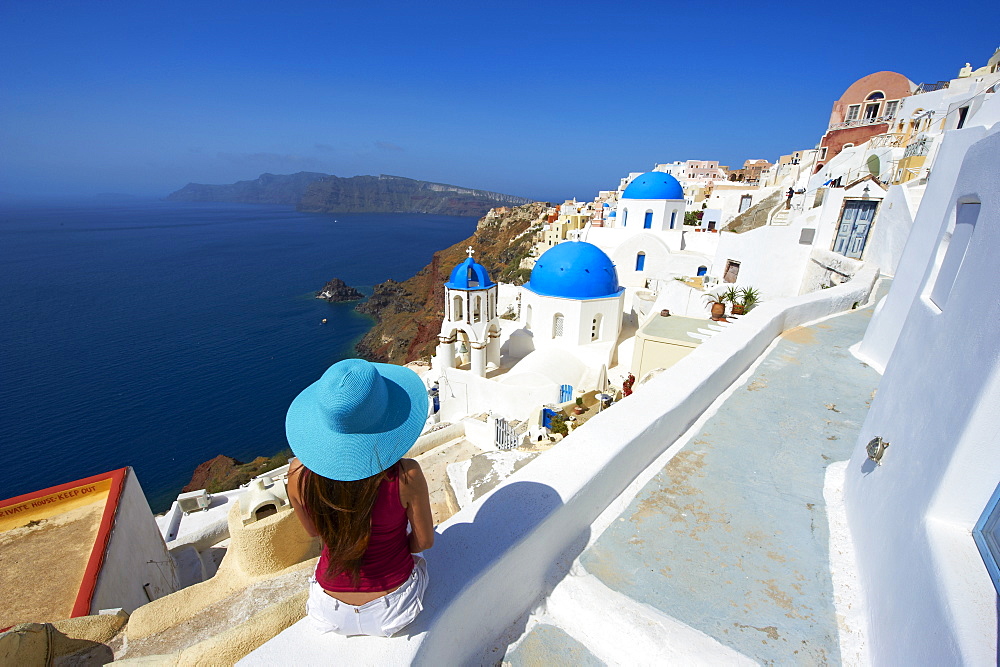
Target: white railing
(860, 122)
(919, 147)
(888, 140)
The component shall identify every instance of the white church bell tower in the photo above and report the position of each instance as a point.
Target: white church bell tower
(470, 330)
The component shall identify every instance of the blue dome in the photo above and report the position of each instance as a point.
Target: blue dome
(470, 275)
(574, 270)
(613, 214)
(654, 185)
(605, 204)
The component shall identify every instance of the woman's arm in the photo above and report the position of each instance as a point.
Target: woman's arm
(295, 470)
(415, 497)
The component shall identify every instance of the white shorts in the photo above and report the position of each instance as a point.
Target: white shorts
(382, 617)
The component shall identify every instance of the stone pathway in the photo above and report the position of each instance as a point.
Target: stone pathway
(731, 537)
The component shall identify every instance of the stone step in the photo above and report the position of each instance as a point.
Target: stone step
(620, 631)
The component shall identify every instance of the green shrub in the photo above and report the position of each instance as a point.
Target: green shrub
(558, 424)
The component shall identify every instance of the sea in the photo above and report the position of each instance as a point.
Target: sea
(159, 334)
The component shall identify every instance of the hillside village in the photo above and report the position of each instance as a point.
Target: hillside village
(748, 410)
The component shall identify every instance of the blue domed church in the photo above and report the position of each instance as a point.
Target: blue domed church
(646, 237)
(573, 299)
(470, 330)
(563, 339)
(652, 201)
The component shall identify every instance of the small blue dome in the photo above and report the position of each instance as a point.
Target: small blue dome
(606, 204)
(574, 270)
(654, 185)
(613, 214)
(469, 275)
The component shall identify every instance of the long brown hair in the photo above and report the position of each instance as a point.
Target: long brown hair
(342, 514)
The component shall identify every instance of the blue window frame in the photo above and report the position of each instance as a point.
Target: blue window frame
(640, 261)
(647, 223)
(673, 218)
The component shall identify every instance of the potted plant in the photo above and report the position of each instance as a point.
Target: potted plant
(731, 296)
(749, 297)
(579, 409)
(716, 305)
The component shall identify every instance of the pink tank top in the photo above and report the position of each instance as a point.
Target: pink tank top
(388, 562)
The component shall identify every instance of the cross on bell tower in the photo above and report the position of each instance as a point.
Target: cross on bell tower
(470, 251)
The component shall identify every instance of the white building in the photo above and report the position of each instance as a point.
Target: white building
(470, 330)
(564, 340)
(646, 238)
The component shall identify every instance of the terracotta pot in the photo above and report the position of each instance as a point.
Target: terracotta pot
(738, 309)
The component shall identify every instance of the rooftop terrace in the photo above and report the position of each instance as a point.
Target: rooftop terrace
(731, 536)
(517, 575)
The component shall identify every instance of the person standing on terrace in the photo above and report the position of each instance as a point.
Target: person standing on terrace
(350, 486)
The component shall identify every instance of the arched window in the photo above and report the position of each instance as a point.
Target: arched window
(595, 327)
(477, 314)
(624, 216)
(873, 104)
(702, 270)
(640, 261)
(472, 278)
(456, 308)
(647, 222)
(557, 325)
(527, 317)
(673, 218)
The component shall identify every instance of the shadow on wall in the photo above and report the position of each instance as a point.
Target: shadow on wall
(490, 573)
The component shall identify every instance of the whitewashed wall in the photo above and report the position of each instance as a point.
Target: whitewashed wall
(660, 262)
(703, 243)
(578, 316)
(771, 259)
(930, 598)
(921, 244)
(663, 210)
(888, 235)
(465, 393)
(135, 555)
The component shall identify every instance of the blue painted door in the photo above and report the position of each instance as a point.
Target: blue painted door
(855, 222)
(565, 393)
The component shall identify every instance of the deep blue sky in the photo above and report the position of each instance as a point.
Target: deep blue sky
(541, 99)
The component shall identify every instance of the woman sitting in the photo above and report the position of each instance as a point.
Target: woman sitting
(351, 487)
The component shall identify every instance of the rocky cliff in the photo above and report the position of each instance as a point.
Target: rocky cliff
(265, 189)
(224, 472)
(408, 314)
(394, 194)
(337, 291)
(322, 193)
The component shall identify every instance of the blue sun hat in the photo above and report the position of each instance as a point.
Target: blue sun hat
(357, 420)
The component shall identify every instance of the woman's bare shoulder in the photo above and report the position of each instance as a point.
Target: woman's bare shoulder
(410, 470)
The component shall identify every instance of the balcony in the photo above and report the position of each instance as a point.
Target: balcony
(888, 140)
(860, 122)
(919, 147)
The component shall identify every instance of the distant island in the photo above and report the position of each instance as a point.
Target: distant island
(322, 193)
